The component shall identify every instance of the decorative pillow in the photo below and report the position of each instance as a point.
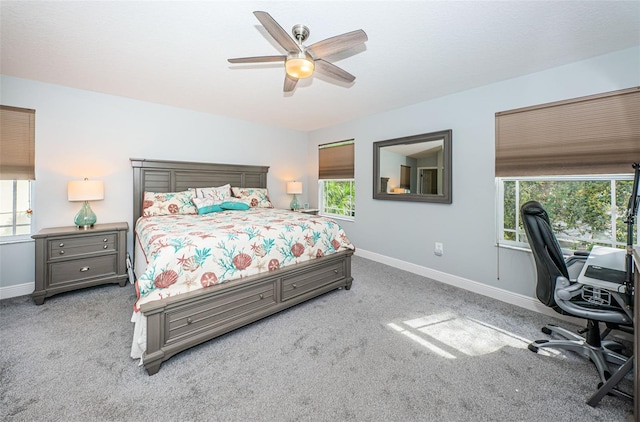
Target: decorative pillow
(166, 203)
(235, 205)
(219, 194)
(206, 205)
(256, 197)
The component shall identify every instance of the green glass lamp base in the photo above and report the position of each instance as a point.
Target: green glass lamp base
(85, 218)
(295, 205)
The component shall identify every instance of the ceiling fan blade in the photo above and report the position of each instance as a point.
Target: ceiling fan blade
(337, 44)
(289, 83)
(258, 59)
(334, 71)
(276, 31)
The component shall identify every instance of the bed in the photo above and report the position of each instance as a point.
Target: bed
(174, 322)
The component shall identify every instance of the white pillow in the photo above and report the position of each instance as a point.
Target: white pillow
(219, 194)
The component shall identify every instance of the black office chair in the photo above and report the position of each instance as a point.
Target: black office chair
(556, 290)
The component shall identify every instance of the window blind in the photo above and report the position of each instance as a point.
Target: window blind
(17, 143)
(335, 160)
(597, 134)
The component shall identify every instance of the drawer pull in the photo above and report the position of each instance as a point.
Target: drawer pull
(107, 247)
(189, 321)
(84, 269)
(294, 286)
(335, 271)
(61, 245)
(61, 252)
(261, 296)
(105, 240)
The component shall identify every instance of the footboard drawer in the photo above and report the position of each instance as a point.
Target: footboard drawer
(215, 312)
(302, 283)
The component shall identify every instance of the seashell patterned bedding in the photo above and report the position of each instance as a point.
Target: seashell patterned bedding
(185, 253)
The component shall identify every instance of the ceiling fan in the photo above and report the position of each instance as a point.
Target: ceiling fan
(300, 61)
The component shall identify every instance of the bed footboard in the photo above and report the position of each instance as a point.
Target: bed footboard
(178, 323)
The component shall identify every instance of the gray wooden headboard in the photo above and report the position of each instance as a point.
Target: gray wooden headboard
(176, 176)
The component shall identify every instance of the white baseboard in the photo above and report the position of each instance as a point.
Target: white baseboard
(464, 283)
(17, 290)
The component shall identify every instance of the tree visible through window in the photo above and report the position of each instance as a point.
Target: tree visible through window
(584, 212)
(338, 197)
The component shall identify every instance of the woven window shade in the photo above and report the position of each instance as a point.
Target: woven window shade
(17, 143)
(598, 134)
(336, 160)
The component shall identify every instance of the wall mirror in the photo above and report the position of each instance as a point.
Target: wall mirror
(413, 168)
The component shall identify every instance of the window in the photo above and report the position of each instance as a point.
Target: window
(17, 169)
(405, 177)
(338, 197)
(584, 210)
(336, 184)
(573, 157)
(15, 208)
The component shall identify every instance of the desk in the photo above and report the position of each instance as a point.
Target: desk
(636, 337)
(615, 259)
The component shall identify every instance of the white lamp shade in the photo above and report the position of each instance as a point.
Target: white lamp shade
(85, 190)
(294, 187)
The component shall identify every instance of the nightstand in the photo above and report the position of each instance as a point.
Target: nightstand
(68, 258)
(308, 211)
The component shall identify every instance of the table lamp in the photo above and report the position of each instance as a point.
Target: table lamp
(85, 190)
(294, 188)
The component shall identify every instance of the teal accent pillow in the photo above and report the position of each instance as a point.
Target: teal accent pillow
(235, 205)
(209, 209)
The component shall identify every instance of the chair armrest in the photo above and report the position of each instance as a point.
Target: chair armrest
(566, 290)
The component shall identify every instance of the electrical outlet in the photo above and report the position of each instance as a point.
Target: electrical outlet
(439, 249)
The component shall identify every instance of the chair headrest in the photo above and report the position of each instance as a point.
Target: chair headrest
(535, 208)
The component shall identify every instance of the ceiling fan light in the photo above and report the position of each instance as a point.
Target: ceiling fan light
(299, 67)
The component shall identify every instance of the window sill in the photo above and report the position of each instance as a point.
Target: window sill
(513, 247)
(338, 217)
(8, 240)
(565, 252)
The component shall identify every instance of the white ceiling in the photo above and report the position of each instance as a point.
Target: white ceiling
(175, 52)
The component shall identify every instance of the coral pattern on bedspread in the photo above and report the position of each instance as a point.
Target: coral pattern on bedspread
(189, 252)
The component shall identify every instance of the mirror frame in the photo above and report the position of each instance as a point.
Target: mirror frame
(445, 197)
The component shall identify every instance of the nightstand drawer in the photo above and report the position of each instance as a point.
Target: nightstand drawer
(81, 245)
(79, 269)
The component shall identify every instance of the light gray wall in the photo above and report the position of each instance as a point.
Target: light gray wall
(86, 134)
(407, 231)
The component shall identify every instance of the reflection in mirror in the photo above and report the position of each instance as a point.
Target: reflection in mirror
(413, 168)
